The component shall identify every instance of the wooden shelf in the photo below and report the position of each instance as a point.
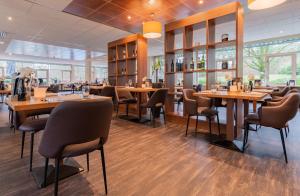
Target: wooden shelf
(193, 48)
(198, 36)
(131, 47)
(112, 61)
(174, 51)
(221, 70)
(224, 44)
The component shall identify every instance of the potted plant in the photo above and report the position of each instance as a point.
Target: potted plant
(156, 67)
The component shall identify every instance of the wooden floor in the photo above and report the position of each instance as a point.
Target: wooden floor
(142, 160)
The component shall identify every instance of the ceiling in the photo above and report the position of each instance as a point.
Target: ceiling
(43, 22)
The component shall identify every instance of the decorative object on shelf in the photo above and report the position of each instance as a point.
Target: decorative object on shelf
(192, 64)
(156, 67)
(224, 64)
(202, 63)
(251, 78)
(172, 66)
(152, 29)
(228, 78)
(124, 54)
(225, 37)
(263, 4)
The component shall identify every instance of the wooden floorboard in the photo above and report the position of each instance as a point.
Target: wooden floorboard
(142, 160)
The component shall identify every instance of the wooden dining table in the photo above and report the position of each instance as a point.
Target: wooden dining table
(237, 104)
(141, 97)
(69, 166)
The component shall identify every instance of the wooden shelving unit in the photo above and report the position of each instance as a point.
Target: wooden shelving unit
(127, 60)
(195, 41)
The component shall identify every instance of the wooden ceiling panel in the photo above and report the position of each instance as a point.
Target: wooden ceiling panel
(92, 4)
(115, 12)
(78, 10)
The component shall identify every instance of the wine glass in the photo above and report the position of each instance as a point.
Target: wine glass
(85, 91)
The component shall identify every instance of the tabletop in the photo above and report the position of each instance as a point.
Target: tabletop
(140, 90)
(49, 102)
(253, 96)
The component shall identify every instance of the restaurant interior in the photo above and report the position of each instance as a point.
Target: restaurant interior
(149, 97)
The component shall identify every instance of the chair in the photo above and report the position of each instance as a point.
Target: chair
(279, 98)
(155, 85)
(275, 116)
(53, 88)
(281, 92)
(156, 103)
(199, 106)
(109, 91)
(25, 124)
(76, 128)
(123, 96)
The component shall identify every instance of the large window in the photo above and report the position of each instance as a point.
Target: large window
(46, 73)
(273, 63)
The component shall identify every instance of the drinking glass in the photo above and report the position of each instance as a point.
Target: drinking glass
(85, 91)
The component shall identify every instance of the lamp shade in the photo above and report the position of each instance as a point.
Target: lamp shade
(152, 29)
(263, 4)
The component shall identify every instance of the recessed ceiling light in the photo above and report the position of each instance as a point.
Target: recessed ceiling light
(1, 42)
(9, 18)
(10, 54)
(201, 2)
(129, 17)
(151, 2)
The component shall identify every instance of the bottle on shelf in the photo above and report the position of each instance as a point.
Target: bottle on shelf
(172, 66)
(124, 54)
(124, 71)
(202, 62)
(192, 64)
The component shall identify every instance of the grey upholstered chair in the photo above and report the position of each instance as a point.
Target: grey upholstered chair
(74, 129)
(198, 106)
(26, 122)
(123, 96)
(281, 92)
(156, 103)
(275, 116)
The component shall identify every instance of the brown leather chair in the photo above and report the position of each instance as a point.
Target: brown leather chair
(198, 106)
(123, 96)
(156, 103)
(279, 98)
(27, 122)
(275, 116)
(74, 129)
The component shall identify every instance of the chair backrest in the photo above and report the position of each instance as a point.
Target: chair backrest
(284, 91)
(21, 116)
(76, 122)
(188, 94)
(158, 97)
(278, 116)
(109, 91)
(123, 93)
(157, 85)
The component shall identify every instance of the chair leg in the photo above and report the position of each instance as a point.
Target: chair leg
(285, 130)
(127, 108)
(22, 147)
(218, 121)
(46, 171)
(210, 132)
(117, 111)
(283, 145)
(187, 125)
(88, 161)
(245, 136)
(164, 113)
(31, 150)
(56, 176)
(153, 116)
(103, 168)
(196, 124)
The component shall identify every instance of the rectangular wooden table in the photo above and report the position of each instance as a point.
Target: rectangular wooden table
(140, 99)
(237, 104)
(69, 166)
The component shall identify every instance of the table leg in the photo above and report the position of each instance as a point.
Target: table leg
(234, 116)
(68, 167)
(254, 106)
